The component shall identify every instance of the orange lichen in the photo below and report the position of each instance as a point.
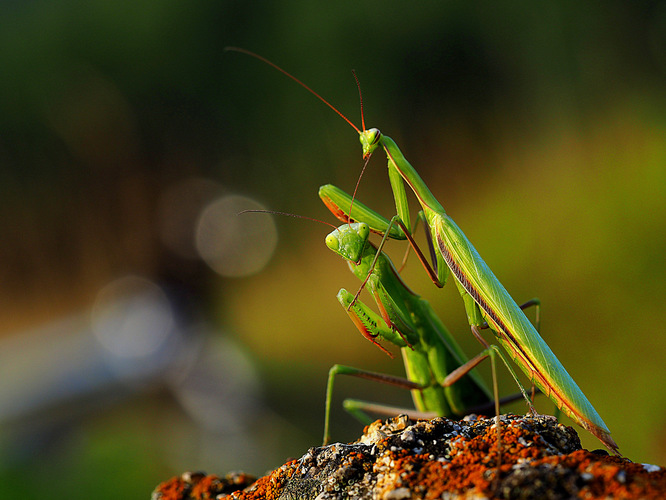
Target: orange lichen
(199, 486)
(268, 487)
(173, 489)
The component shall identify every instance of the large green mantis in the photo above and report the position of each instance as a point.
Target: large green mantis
(441, 378)
(485, 299)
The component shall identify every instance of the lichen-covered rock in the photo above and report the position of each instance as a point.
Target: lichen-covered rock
(445, 459)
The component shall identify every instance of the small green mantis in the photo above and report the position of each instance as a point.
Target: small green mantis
(485, 299)
(430, 353)
(441, 378)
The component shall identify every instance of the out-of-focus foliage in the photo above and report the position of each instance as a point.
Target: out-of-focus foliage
(540, 128)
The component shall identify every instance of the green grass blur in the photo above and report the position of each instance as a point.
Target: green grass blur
(540, 128)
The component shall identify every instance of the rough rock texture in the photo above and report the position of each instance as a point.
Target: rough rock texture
(440, 459)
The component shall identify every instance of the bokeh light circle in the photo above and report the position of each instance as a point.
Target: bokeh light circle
(235, 244)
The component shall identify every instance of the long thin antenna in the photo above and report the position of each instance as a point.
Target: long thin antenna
(360, 98)
(358, 182)
(264, 60)
(286, 214)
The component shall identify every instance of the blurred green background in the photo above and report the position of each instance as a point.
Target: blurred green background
(129, 140)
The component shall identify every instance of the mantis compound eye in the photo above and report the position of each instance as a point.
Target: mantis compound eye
(332, 242)
(363, 230)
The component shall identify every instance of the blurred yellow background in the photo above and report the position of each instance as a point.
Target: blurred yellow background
(148, 329)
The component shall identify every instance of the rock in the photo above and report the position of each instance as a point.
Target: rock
(402, 459)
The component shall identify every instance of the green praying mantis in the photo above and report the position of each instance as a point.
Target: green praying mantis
(485, 299)
(441, 378)
(428, 349)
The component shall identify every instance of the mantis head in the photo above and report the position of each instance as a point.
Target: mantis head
(349, 240)
(369, 140)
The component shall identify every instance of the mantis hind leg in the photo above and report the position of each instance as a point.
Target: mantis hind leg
(492, 350)
(537, 324)
(355, 409)
(536, 303)
(358, 409)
